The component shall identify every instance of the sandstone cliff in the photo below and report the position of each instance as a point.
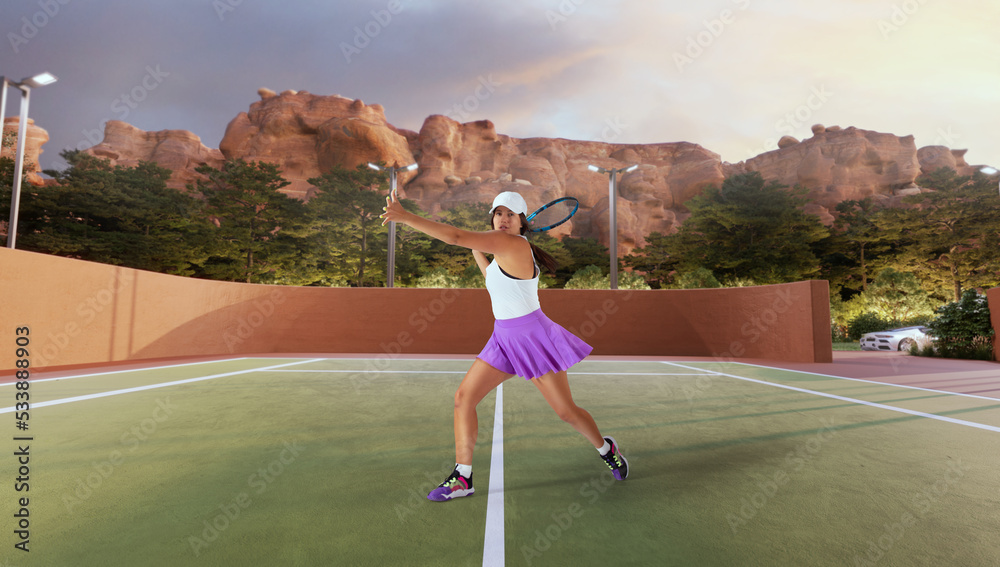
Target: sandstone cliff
(306, 135)
(177, 150)
(35, 139)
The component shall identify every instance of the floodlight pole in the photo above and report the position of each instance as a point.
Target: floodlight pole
(390, 273)
(22, 134)
(613, 216)
(22, 131)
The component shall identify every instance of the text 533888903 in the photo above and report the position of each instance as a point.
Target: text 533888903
(22, 416)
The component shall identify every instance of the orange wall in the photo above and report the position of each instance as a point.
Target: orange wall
(85, 313)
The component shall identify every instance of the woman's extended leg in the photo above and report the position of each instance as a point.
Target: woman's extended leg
(554, 386)
(480, 380)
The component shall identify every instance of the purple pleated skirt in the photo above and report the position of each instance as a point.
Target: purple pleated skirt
(532, 345)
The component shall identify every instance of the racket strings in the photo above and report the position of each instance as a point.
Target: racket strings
(553, 214)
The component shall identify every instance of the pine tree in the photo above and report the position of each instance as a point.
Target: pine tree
(655, 259)
(751, 229)
(858, 240)
(949, 236)
(348, 229)
(258, 238)
(119, 215)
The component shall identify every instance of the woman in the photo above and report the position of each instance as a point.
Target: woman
(524, 341)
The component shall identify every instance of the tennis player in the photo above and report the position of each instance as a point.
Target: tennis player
(524, 342)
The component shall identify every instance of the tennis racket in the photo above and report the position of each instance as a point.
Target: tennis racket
(553, 214)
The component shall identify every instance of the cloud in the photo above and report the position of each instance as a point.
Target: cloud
(579, 69)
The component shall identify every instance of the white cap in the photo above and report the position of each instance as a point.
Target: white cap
(512, 201)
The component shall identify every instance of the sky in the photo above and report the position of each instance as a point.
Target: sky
(730, 75)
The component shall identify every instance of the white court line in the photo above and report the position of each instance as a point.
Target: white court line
(150, 387)
(493, 545)
(876, 382)
(702, 373)
(34, 380)
(857, 401)
(377, 371)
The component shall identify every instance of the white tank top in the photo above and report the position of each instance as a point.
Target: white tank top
(510, 296)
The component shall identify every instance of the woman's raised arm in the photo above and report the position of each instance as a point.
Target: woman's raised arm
(495, 242)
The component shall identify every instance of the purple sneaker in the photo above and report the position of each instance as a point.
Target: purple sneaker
(615, 460)
(455, 486)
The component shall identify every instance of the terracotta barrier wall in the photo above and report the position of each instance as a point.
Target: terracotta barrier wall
(993, 300)
(86, 313)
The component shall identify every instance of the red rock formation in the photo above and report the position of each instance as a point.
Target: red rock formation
(841, 164)
(936, 157)
(543, 169)
(177, 150)
(306, 135)
(35, 138)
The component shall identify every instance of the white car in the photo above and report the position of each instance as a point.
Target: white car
(896, 339)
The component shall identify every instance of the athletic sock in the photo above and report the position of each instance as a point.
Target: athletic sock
(604, 450)
(464, 470)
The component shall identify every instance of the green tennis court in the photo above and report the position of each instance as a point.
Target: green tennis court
(327, 461)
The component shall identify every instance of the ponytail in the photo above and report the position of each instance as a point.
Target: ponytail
(544, 258)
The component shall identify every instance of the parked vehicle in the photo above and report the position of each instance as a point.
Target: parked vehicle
(900, 339)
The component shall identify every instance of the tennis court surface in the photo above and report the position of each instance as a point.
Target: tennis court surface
(327, 461)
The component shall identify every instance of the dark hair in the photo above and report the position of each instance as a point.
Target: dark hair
(543, 257)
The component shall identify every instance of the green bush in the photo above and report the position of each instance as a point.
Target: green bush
(868, 322)
(631, 280)
(838, 333)
(898, 296)
(590, 277)
(593, 277)
(842, 311)
(699, 278)
(963, 329)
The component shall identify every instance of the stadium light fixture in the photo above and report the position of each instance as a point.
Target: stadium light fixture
(613, 215)
(40, 80)
(25, 86)
(390, 274)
